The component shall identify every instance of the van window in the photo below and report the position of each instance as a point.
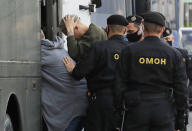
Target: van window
(108, 8)
(168, 9)
(186, 40)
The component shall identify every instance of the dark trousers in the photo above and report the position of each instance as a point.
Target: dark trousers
(76, 124)
(100, 114)
(150, 115)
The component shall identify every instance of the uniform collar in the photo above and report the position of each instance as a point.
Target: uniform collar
(152, 38)
(115, 37)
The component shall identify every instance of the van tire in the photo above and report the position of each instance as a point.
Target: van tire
(8, 126)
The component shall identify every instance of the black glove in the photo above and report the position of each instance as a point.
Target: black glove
(180, 120)
(117, 116)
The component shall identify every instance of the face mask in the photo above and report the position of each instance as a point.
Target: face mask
(134, 37)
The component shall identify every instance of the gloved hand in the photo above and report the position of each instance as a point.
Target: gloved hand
(180, 120)
(117, 116)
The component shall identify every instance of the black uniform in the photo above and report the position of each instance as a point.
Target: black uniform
(148, 71)
(184, 52)
(187, 61)
(99, 70)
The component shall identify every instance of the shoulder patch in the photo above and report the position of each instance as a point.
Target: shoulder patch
(184, 60)
(116, 56)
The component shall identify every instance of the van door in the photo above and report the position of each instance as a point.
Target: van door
(110, 7)
(72, 7)
(49, 17)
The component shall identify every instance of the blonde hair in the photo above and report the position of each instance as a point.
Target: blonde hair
(62, 24)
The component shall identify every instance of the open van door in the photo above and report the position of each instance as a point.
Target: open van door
(78, 7)
(53, 10)
(110, 7)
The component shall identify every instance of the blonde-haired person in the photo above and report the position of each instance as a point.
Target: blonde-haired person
(80, 37)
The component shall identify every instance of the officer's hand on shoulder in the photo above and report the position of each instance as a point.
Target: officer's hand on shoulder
(69, 64)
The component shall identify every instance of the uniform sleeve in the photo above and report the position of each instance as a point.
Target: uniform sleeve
(76, 49)
(189, 66)
(121, 78)
(86, 65)
(180, 83)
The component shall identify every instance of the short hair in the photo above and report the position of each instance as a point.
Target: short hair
(151, 27)
(62, 24)
(117, 28)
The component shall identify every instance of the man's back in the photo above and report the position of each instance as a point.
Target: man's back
(109, 54)
(63, 98)
(152, 75)
(149, 72)
(102, 57)
(151, 65)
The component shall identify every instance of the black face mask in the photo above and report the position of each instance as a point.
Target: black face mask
(134, 37)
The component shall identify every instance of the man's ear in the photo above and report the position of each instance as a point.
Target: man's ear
(162, 30)
(125, 30)
(107, 28)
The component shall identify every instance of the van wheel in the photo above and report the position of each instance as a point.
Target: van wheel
(8, 126)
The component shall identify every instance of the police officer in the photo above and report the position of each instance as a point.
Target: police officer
(151, 74)
(99, 70)
(134, 28)
(167, 35)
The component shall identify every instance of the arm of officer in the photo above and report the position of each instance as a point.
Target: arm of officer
(180, 90)
(120, 86)
(84, 67)
(188, 65)
(76, 49)
(121, 77)
(122, 74)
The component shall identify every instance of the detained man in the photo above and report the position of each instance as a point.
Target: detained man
(80, 37)
(64, 100)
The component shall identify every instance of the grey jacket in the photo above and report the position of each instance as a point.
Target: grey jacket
(63, 98)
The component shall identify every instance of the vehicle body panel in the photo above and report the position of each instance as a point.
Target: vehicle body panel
(20, 61)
